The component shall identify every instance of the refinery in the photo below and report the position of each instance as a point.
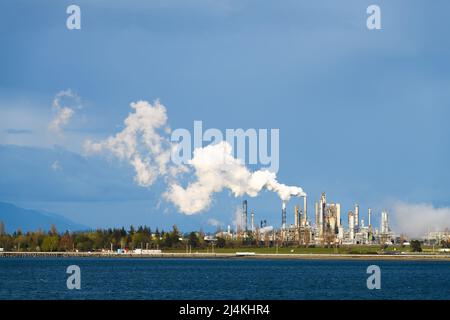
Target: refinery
(325, 228)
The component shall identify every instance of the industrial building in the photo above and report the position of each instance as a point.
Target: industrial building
(326, 229)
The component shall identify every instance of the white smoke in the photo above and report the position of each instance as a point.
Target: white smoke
(63, 114)
(145, 145)
(416, 220)
(56, 166)
(238, 219)
(140, 142)
(216, 169)
(214, 222)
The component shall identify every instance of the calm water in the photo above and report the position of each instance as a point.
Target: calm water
(35, 278)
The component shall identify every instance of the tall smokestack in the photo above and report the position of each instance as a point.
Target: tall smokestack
(370, 214)
(356, 215)
(244, 214)
(305, 210)
(338, 214)
(323, 204)
(252, 215)
(384, 222)
(296, 217)
(283, 215)
(317, 213)
(351, 224)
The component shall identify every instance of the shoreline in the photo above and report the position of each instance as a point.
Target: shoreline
(242, 255)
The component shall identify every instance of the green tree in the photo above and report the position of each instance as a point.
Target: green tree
(174, 236)
(221, 242)
(416, 246)
(193, 241)
(50, 243)
(53, 230)
(66, 242)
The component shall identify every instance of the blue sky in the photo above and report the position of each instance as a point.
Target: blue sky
(363, 115)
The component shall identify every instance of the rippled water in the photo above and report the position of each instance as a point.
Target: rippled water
(38, 278)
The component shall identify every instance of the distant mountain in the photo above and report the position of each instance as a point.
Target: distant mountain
(15, 217)
(55, 174)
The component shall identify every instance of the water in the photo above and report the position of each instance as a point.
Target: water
(39, 278)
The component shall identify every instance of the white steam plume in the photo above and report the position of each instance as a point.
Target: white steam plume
(63, 114)
(416, 219)
(140, 143)
(238, 219)
(216, 169)
(214, 222)
(145, 145)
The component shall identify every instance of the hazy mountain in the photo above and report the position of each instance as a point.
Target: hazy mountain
(56, 174)
(15, 217)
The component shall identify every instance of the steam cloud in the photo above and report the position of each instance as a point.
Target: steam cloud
(140, 142)
(145, 144)
(214, 223)
(216, 169)
(417, 219)
(63, 114)
(238, 219)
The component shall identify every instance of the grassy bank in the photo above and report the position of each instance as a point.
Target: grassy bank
(357, 249)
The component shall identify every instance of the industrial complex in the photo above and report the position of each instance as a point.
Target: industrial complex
(325, 227)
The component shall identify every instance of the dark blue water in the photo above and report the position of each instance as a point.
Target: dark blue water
(35, 278)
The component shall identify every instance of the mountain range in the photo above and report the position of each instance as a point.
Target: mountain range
(15, 217)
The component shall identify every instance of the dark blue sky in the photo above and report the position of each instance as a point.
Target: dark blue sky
(363, 115)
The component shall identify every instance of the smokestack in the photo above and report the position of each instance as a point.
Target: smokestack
(338, 214)
(317, 213)
(356, 215)
(370, 214)
(296, 217)
(384, 222)
(283, 215)
(253, 221)
(305, 210)
(244, 213)
(323, 204)
(351, 224)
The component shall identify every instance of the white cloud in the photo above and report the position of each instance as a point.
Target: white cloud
(56, 166)
(140, 142)
(416, 219)
(63, 114)
(144, 143)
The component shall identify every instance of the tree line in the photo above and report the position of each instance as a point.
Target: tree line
(96, 240)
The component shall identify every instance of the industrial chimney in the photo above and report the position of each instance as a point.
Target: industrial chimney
(244, 215)
(305, 210)
(283, 215)
(356, 215)
(252, 215)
